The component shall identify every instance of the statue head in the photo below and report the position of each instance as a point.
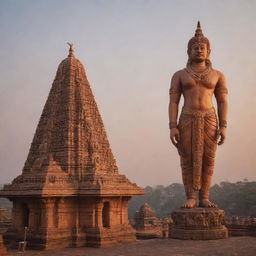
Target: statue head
(199, 41)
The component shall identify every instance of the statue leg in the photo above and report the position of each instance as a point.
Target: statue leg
(185, 152)
(210, 146)
(187, 177)
(204, 191)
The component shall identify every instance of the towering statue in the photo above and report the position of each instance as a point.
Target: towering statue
(199, 130)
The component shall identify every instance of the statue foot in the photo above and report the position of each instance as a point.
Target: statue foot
(206, 203)
(191, 203)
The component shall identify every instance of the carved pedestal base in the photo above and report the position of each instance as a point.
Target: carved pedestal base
(198, 224)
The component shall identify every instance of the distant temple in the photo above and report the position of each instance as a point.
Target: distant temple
(147, 225)
(70, 192)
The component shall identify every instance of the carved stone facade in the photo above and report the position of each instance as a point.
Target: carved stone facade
(70, 192)
(198, 224)
(147, 225)
(238, 226)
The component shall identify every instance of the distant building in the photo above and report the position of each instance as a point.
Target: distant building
(147, 225)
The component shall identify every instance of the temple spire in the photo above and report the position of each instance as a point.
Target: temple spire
(71, 50)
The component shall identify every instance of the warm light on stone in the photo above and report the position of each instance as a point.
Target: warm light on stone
(70, 192)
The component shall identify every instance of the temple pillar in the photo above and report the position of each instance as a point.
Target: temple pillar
(98, 214)
(16, 219)
(47, 217)
(124, 213)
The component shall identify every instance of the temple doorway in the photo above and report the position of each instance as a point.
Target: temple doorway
(25, 211)
(106, 215)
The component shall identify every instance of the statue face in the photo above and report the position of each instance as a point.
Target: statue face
(199, 52)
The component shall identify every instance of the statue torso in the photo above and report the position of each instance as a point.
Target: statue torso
(198, 93)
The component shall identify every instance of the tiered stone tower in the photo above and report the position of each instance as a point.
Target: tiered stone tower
(147, 225)
(70, 192)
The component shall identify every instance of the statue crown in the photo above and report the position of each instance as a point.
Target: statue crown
(198, 37)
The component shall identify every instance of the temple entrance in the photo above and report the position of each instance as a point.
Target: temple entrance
(25, 210)
(106, 215)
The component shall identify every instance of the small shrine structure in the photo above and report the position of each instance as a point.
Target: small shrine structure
(147, 225)
(70, 192)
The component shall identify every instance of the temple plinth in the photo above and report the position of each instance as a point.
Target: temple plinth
(70, 192)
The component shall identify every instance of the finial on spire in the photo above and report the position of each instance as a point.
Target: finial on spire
(71, 50)
(199, 31)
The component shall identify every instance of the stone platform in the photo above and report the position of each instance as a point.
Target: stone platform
(232, 246)
(198, 224)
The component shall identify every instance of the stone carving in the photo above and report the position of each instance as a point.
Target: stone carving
(196, 137)
(238, 226)
(70, 192)
(147, 225)
(203, 218)
(198, 132)
(198, 223)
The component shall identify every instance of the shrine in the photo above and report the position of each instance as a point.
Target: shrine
(70, 192)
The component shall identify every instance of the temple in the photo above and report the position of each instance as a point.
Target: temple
(147, 225)
(70, 192)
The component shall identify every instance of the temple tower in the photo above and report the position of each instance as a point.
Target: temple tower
(70, 192)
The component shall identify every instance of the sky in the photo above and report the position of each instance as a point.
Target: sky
(130, 50)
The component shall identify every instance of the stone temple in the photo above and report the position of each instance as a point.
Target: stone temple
(70, 192)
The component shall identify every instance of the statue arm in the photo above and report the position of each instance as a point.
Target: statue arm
(175, 94)
(222, 103)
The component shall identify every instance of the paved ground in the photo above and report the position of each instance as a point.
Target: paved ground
(233, 246)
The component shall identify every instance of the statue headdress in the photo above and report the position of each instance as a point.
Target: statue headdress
(198, 38)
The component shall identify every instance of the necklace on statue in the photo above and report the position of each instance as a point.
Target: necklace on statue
(199, 75)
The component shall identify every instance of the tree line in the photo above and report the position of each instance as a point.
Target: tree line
(236, 199)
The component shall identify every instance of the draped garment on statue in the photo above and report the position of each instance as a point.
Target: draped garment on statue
(197, 145)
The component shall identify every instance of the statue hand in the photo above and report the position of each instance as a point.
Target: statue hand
(221, 135)
(175, 136)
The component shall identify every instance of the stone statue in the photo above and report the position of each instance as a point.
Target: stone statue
(198, 131)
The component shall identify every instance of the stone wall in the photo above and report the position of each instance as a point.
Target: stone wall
(239, 226)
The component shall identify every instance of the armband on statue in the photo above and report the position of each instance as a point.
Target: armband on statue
(221, 91)
(174, 91)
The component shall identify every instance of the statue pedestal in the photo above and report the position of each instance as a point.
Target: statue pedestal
(198, 224)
